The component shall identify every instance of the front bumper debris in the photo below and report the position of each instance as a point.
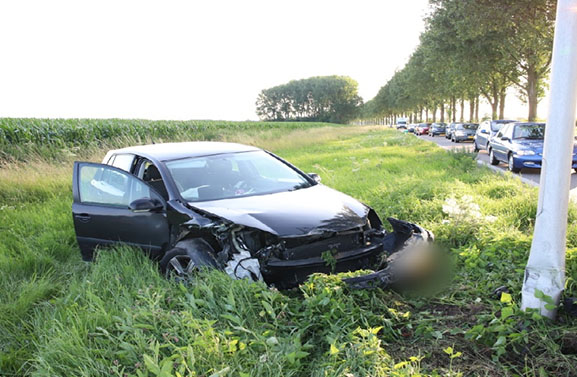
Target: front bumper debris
(411, 258)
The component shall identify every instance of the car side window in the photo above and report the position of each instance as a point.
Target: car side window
(123, 161)
(108, 186)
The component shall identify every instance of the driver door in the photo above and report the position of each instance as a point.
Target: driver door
(102, 215)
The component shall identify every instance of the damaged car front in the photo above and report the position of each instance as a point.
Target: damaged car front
(242, 210)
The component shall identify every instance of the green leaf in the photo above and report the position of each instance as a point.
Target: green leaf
(500, 341)
(506, 312)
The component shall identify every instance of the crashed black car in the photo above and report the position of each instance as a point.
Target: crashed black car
(228, 206)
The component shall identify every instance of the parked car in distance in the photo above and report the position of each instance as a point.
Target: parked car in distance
(487, 129)
(423, 128)
(227, 206)
(437, 129)
(464, 132)
(520, 145)
(411, 127)
(449, 130)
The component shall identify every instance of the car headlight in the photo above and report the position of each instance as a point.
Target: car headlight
(526, 152)
(459, 133)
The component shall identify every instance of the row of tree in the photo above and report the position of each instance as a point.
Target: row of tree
(323, 99)
(472, 49)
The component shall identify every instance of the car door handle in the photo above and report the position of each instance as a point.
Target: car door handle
(82, 217)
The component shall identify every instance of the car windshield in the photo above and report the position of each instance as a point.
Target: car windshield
(470, 126)
(496, 126)
(529, 131)
(232, 175)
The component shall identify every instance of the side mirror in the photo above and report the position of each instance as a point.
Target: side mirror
(505, 138)
(146, 205)
(483, 131)
(315, 177)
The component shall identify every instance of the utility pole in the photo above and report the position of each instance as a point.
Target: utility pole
(546, 265)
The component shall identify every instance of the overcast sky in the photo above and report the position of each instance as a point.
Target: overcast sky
(190, 59)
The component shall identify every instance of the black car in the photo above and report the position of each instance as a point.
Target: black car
(228, 206)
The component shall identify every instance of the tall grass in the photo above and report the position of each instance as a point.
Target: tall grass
(118, 316)
(22, 139)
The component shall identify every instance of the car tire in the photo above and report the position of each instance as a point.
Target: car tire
(181, 263)
(475, 147)
(492, 159)
(511, 164)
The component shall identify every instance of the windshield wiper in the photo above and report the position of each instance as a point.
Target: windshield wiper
(300, 186)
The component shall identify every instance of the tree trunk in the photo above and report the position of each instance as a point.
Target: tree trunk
(420, 115)
(532, 98)
(477, 100)
(462, 119)
(434, 113)
(472, 109)
(454, 109)
(426, 114)
(502, 96)
(443, 112)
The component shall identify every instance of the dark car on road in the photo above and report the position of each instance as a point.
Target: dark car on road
(520, 145)
(437, 129)
(227, 206)
(487, 129)
(412, 127)
(450, 129)
(464, 132)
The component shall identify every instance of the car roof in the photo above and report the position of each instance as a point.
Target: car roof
(529, 123)
(175, 151)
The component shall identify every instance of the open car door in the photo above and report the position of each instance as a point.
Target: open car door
(111, 206)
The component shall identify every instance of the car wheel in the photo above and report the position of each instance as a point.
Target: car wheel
(511, 164)
(492, 159)
(475, 148)
(182, 263)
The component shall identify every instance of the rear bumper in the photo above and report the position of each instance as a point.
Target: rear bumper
(464, 138)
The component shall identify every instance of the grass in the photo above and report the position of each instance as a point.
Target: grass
(23, 139)
(118, 316)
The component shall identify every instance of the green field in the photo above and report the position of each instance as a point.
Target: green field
(118, 316)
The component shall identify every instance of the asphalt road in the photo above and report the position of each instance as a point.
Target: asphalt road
(529, 176)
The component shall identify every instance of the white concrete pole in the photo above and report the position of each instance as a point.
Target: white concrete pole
(546, 266)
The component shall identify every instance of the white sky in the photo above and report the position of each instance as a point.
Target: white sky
(190, 59)
(175, 59)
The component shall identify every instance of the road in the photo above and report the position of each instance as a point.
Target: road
(529, 176)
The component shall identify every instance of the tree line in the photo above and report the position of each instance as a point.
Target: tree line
(472, 50)
(321, 99)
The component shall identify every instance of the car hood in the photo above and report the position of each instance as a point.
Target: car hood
(534, 145)
(314, 210)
